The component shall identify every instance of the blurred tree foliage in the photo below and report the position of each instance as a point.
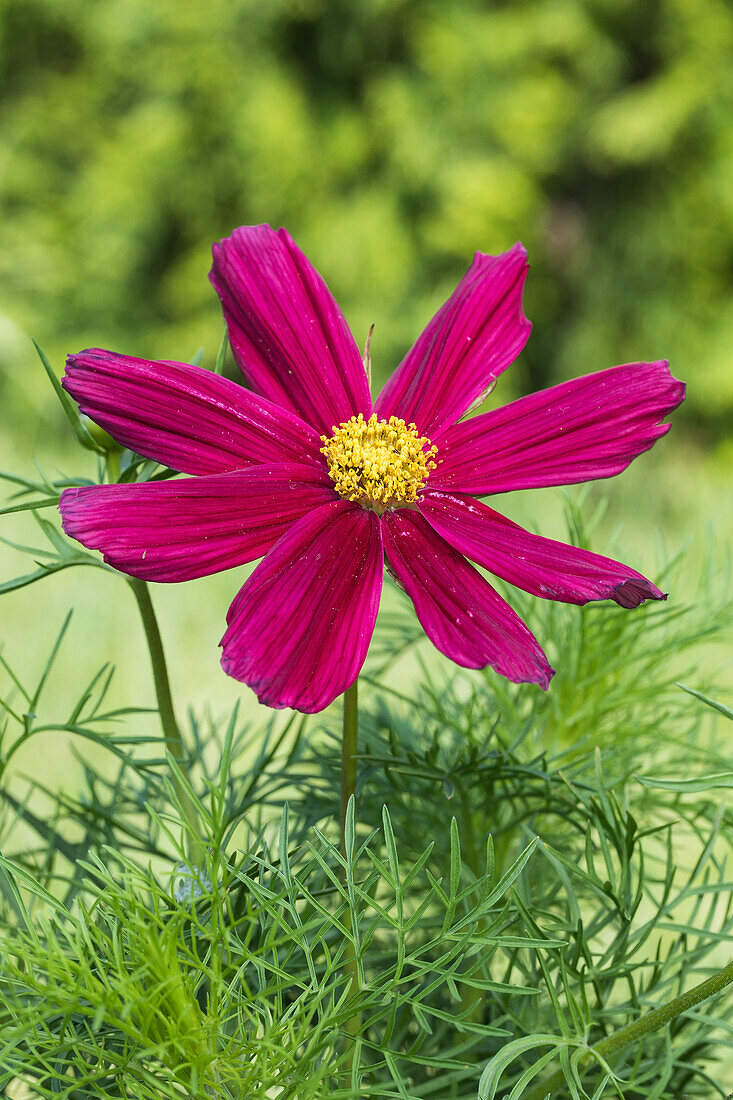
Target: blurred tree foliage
(392, 137)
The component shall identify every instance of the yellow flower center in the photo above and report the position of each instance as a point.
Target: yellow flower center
(381, 463)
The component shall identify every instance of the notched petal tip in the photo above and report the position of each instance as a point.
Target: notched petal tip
(516, 259)
(475, 335)
(516, 251)
(547, 678)
(542, 677)
(79, 360)
(661, 381)
(68, 509)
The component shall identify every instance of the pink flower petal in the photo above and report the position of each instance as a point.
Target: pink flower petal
(300, 627)
(180, 529)
(476, 335)
(285, 328)
(460, 611)
(183, 416)
(541, 566)
(591, 427)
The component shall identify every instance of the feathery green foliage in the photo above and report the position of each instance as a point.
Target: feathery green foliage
(543, 915)
(525, 873)
(393, 138)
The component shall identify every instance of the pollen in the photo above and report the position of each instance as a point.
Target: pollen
(380, 463)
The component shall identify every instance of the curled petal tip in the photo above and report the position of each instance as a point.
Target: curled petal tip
(636, 591)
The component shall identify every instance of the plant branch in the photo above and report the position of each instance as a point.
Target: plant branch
(645, 1025)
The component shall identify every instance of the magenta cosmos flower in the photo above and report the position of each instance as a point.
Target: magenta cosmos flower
(305, 471)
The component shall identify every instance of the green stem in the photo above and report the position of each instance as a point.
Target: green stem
(471, 999)
(348, 754)
(113, 464)
(348, 788)
(170, 727)
(644, 1026)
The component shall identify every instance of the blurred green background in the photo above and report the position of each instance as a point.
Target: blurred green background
(392, 138)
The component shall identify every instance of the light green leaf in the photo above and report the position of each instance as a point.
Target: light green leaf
(718, 781)
(80, 429)
(720, 707)
(221, 355)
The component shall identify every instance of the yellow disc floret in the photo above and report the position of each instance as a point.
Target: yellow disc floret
(381, 463)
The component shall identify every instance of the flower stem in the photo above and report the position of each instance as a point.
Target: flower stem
(348, 788)
(471, 999)
(348, 755)
(645, 1025)
(170, 727)
(113, 464)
